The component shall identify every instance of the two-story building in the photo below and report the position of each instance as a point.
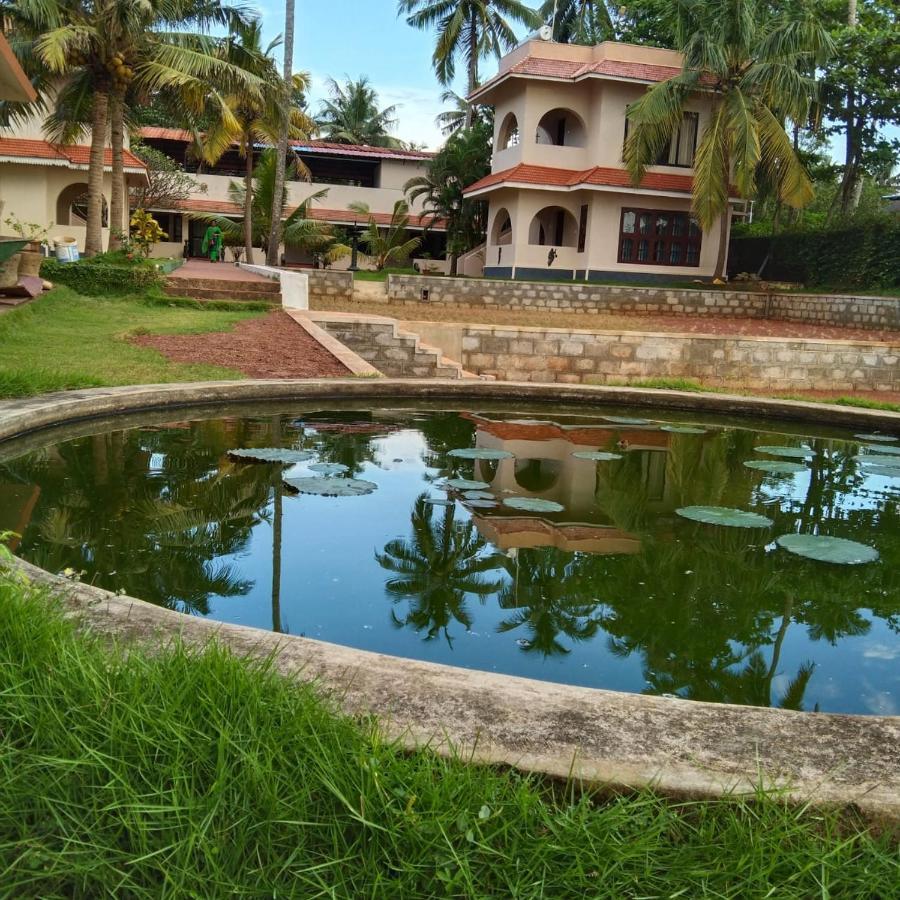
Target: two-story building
(561, 203)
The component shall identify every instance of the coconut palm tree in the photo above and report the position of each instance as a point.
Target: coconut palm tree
(470, 29)
(351, 115)
(752, 66)
(578, 21)
(390, 243)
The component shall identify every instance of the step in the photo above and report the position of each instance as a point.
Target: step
(217, 284)
(236, 294)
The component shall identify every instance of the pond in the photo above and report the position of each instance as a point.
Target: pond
(674, 555)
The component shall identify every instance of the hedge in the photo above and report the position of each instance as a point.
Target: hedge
(95, 279)
(863, 257)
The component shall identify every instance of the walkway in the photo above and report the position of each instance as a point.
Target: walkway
(205, 270)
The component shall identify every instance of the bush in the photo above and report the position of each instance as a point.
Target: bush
(865, 257)
(96, 279)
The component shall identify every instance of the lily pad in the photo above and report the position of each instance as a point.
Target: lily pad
(439, 501)
(331, 487)
(794, 452)
(828, 549)
(532, 504)
(272, 455)
(467, 484)
(482, 504)
(884, 471)
(477, 453)
(329, 468)
(682, 429)
(775, 466)
(891, 451)
(478, 495)
(625, 420)
(873, 459)
(597, 455)
(723, 515)
(881, 438)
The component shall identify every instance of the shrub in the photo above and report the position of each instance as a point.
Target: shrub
(94, 279)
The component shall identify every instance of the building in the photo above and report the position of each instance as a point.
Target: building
(348, 173)
(14, 83)
(561, 204)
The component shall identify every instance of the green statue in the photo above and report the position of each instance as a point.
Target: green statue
(212, 244)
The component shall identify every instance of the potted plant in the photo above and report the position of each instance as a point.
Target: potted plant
(30, 255)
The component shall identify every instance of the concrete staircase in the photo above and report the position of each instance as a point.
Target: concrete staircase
(234, 289)
(385, 345)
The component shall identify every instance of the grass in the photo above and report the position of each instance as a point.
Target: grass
(64, 340)
(196, 774)
(368, 275)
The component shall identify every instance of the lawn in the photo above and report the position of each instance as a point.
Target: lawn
(189, 774)
(64, 340)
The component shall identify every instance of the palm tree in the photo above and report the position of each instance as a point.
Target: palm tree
(390, 243)
(752, 65)
(471, 29)
(351, 115)
(437, 568)
(578, 21)
(290, 90)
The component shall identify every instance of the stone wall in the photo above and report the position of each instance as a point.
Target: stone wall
(325, 284)
(873, 312)
(598, 357)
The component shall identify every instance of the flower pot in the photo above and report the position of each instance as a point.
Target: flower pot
(30, 263)
(9, 271)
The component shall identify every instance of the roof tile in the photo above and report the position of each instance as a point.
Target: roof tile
(75, 154)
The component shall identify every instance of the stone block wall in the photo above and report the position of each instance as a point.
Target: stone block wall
(864, 312)
(325, 284)
(572, 357)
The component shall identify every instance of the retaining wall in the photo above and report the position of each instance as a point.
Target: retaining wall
(872, 312)
(598, 357)
(325, 284)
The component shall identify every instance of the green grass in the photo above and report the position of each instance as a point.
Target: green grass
(195, 774)
(64, 340)
(367, 275)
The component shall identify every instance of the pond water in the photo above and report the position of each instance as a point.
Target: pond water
(605, 582)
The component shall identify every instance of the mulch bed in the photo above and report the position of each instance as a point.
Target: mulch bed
(272, 346)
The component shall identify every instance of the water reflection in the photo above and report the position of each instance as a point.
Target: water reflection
(614, 591)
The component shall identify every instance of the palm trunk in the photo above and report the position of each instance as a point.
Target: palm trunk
(473, 70)
(93, 241)
(117, 197)
(248, 202)
(851, 156)
(722, 258)
(277, 531)
(278, 193)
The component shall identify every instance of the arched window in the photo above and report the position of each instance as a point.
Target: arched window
(553, 226)
(501, 232)
(71, 206)
(562, 128)
(508, 135)
(537, 475)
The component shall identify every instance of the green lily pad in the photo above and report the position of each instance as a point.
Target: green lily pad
(682, 429)
(891, 451)
(467, 484)
(477, 453)
(723, 515)
(330, 468)
(794, 452)
(482, 504)
(596, 455)
(873, 459)
(532, 504)
(828, 549)
(272, 455)
(439, 501)
(331, 487)
(478, 495)
(885, 438)
(625, 420)
(884, 471)
(775, 466)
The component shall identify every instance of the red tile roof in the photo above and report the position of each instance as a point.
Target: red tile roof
(546, 176)
(165, 134)
(76, 155)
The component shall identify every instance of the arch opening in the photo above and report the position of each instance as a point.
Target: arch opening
(553, 226)
(501, 231)
(508, 136)
(561, 128)
(537, 475)
(71, 206)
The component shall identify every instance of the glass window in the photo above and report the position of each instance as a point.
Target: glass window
(676, 238)
(628, 220)
(627, 249)
(678, 225)
(644, 224)
(662, 223)
(675, 253)
(693, 254)
(659, 251)
(642, 250)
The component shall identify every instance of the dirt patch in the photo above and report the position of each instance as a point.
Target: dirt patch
(607, 321)
(272, 346)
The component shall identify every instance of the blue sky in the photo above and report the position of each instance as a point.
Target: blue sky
(364, 37)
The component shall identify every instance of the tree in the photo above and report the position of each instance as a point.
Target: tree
(290, 89)
(470, 29)
(351, 115)
(464, 159)
(453, 120)
(387, 244)
(167, 183)
(578, 21)
(752, 65)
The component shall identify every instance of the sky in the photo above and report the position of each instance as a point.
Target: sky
(339, 38)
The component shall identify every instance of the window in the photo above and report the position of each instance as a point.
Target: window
(582, 228)
(659, 237)
(683, 145)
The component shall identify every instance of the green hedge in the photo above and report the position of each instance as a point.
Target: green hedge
(94, 279)
(865, 257)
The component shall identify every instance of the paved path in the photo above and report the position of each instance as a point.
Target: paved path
(202, 268)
